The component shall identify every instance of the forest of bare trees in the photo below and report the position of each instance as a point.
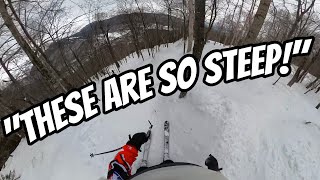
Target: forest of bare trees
(43, 53)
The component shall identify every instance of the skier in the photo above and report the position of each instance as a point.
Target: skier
(120, 168)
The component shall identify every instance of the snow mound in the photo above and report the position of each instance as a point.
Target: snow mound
(255, 130)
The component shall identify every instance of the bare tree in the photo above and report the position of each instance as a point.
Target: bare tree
(306, 23)
(297, 74)
(168, 5)
(258, 21)
(134, 31)
(213, 16)
(312, 83)
(221, 29)
(184, 25)
(306, 69)
(108, 42)
(28, 97)
(276, 26)
(39, 61)
(302, 9)
(303, 68)
(199, 41)
(191, 24)
(236, 29)
(179, 7)
(233, 26)
(312, 86)
(200, 6)
(145, 28)
(248, 20)
(131, 22)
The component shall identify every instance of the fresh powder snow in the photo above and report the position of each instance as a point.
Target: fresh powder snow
(254, 129)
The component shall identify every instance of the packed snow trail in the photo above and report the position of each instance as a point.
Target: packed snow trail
(254, 129)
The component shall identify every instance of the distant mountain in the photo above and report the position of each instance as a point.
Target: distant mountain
(121, 21)
(62, 52)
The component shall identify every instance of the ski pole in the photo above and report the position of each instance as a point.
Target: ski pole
(148, 135)
(92, 155)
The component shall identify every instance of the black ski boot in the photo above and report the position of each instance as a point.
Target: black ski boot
(212, 163)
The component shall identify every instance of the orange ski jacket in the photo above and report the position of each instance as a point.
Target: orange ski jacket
(120, 167)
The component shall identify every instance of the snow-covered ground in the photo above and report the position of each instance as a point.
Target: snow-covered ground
(255, 130)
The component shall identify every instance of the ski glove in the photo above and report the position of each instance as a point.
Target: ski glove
(137, 140)
(212, 163)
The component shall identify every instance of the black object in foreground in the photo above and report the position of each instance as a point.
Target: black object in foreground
(212, 163)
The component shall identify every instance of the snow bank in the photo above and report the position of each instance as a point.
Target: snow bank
(255, 130)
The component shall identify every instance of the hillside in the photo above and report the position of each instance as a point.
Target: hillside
(254, 129)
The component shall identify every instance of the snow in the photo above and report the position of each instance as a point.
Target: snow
(254, 129)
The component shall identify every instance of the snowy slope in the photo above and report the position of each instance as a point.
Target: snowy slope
(255, 130)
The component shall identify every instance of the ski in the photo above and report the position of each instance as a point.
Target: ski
(144, 161)
(166, 141)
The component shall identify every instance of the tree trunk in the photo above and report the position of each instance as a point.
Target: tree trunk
(312, 83)
(51, 77)
(199, 28)
(184, 25)
(168, 29)
(222, 24)
(109, 45)
(111, 50)
(157, 30)
(247, 22)
(227, 39)
(145, 29)
(236, 32)
(134, 35)
(295, 77)
(303, 76)
(306, 69)
(313, 87)
(258, 21)
(191, 24)
(199, 34)
(213, 17)
(71, 70)
(79, 62)
(318, 106)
